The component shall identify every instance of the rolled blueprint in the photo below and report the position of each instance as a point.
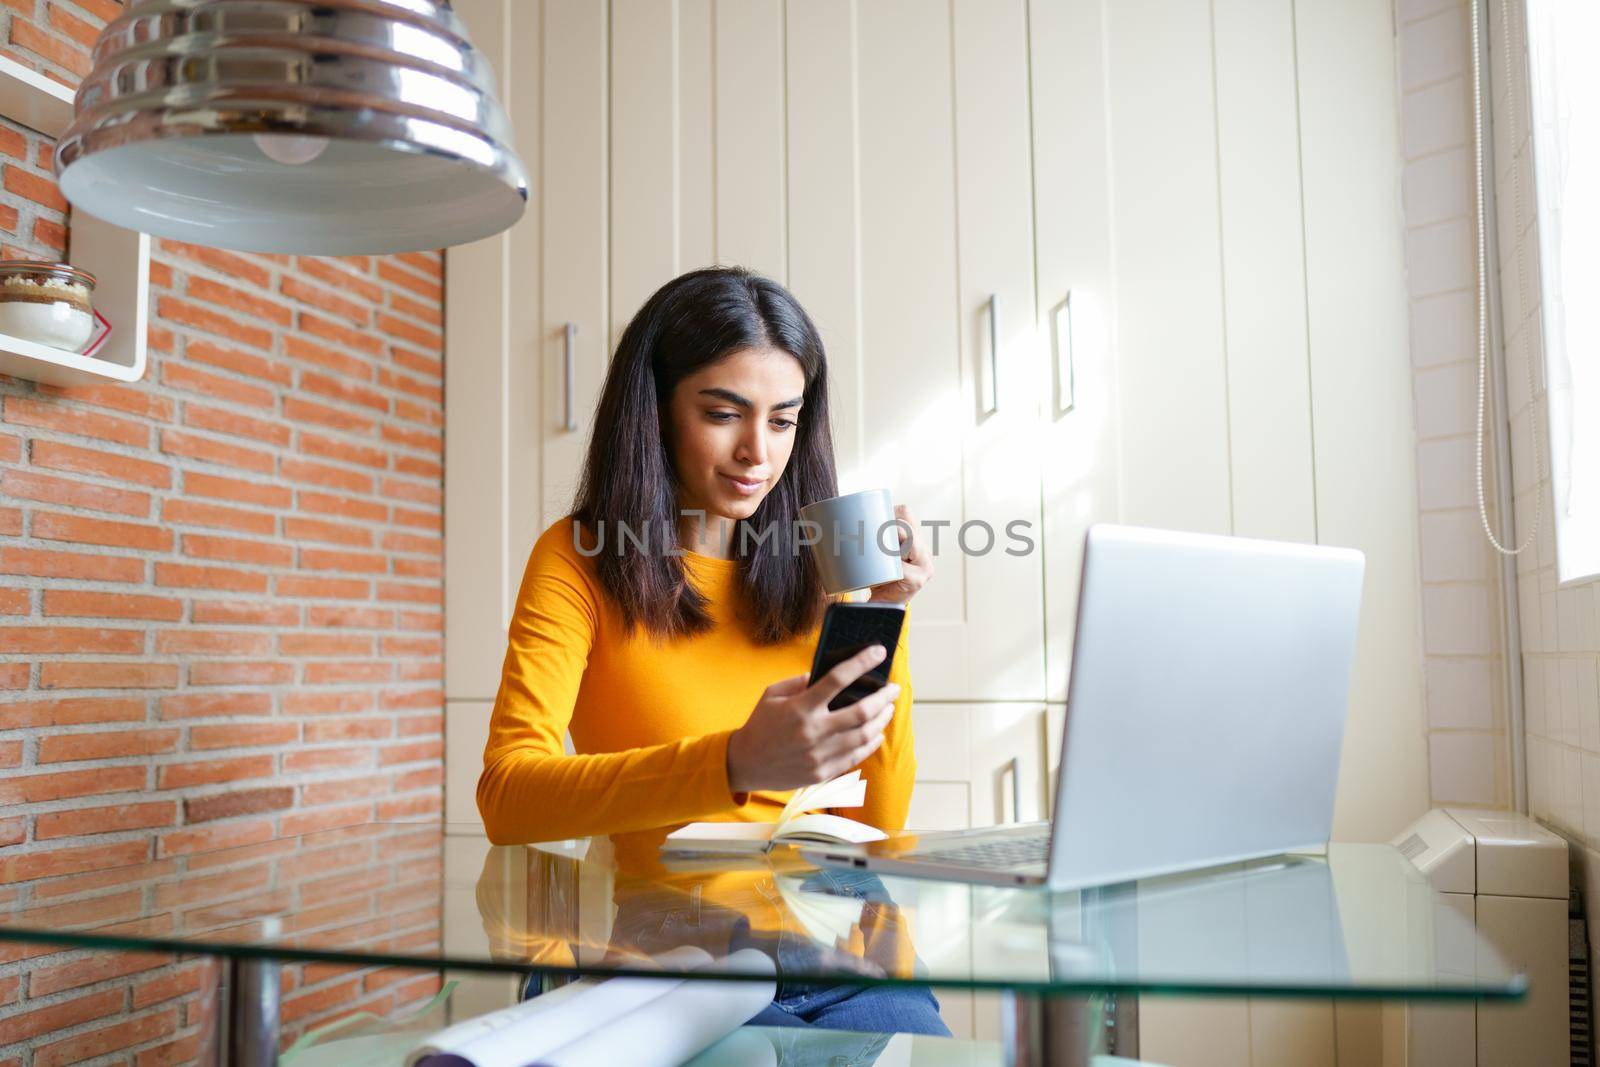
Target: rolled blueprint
(519, 1035)
(691, 1016)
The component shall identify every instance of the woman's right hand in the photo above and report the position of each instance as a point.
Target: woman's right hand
(791, 738)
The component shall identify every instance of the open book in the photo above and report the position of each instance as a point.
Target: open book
(800, 821)
(827, 917)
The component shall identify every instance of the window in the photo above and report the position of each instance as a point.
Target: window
(1564, 78)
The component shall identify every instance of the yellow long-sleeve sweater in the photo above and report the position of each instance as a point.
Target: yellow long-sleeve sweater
(650, 720)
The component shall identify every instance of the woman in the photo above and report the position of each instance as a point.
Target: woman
(676, 651)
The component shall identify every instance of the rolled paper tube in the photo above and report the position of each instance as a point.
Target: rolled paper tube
(689, 1018)
(519, 1035)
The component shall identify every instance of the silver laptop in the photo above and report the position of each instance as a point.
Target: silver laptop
(1205, 712)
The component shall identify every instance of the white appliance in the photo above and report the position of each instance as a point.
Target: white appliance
(1508, 875)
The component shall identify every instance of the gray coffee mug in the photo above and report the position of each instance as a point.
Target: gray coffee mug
(854, 540)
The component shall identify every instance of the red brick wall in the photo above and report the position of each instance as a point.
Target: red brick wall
(220, 587)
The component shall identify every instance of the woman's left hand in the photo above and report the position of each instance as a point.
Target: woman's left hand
(915, 562)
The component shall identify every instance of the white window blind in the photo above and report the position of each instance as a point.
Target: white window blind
(1564, 79)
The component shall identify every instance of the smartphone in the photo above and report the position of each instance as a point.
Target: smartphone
(847, 629)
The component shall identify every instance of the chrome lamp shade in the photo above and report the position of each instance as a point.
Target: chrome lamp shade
(325, 127)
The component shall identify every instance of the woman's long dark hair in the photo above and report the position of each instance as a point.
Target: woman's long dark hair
(628, 478)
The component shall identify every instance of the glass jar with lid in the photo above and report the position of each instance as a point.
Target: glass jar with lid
(47, 303)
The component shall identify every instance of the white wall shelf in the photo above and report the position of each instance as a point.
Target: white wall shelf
(119, 259)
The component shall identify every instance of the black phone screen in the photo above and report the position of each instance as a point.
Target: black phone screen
(849, 628)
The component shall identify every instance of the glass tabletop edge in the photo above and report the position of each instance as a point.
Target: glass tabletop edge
(1514, 991)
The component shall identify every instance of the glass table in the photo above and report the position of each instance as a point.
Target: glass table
(1356, 922)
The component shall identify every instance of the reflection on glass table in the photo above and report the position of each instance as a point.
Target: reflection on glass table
(388, 1043)
(1358, 922)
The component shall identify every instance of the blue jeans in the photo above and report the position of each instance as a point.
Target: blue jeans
(869, 1009)
(834, 1006)
(844, 1026)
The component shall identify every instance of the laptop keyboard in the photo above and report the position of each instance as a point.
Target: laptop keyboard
(1031, 850)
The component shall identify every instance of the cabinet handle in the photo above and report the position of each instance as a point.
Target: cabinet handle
(1061, 337)
(1014, 768)
(570, 419)
(993, 404)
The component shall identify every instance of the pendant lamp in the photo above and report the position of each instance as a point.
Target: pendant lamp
(325, 127)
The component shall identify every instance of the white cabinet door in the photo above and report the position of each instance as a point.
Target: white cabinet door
(1008, 763)
(1366, 494)
(824, 201)
(466, 731)
(490, 393)
(1076, 307)
(968, 756)
(1003, 576)
(978, 765)
(476, 596)
(909, 379)
(643, 246)
(572, 197)
(977, 630)
(942, 797)
(748, 48)
(1263, 261)
(526, 394)
(1171, 362)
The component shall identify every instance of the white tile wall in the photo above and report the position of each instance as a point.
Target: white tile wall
(1467, 744)
(1538, 780)
(1533, 696)
(1572, 809)
(1411, 10)
(1573, 619)
(1591, 796)
(1445, 474)
(1572, 712)
(1464, 767)
(1561, 713)
(1434, 118)
(1447, 400)
(1453, 548)
(1456, 619)
(1439, 257)
(1461, 693)
(1438, 187)
(1546, 676)
(1434, 48)
(1585, 703)
(1443, 328)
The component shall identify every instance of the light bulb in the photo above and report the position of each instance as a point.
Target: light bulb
(293, 149)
